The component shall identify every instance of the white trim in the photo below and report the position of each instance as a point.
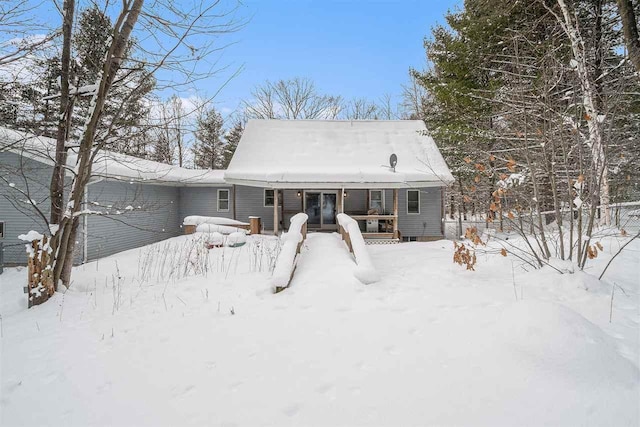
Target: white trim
(382, 199)
(413, 213)
(228, 200)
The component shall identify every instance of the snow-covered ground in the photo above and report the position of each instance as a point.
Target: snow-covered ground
(146, 338)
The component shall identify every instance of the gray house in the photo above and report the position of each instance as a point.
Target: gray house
(389, 175)
(280, 168)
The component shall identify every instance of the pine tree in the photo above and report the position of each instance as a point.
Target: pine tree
(233, 138)
(208, 150)
(127, 105)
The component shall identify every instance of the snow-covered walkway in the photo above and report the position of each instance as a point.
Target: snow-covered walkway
(324, 264)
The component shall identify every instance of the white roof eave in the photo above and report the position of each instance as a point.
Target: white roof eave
(325, 185)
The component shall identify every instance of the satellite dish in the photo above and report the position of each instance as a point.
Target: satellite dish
(393, 161)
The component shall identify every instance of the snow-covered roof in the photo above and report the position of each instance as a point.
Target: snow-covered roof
(330, 153)
(111, 165)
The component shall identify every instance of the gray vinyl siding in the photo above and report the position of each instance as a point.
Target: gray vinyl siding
(250, 202)
(429, 222)
(33, 178)
(155, 216)
(203, 201)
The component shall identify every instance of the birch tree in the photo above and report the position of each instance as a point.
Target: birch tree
(570, 24)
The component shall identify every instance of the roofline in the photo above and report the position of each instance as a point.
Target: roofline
(124, 179)
(335, 184)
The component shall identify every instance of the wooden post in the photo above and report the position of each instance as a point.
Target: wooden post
(254, 225)
(395, 213)
(342, 200)
(233, 189)
(275, 212)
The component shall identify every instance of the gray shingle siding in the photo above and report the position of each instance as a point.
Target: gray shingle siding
(157, 219)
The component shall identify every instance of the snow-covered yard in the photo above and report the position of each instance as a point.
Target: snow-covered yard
(143, 338)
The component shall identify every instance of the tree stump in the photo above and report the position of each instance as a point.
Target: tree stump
(39, 274)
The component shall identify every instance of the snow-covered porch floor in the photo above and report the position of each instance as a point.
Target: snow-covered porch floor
(429, 344)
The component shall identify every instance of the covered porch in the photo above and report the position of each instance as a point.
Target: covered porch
(376, 210)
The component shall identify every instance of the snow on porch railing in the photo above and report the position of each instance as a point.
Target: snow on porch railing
(351, 234)
(288, 257)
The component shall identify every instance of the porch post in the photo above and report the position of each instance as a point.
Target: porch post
(395, 213)
(275, 211)
(342, 200)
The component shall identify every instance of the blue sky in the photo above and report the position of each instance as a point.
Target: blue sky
(348, 48)
(351, 48)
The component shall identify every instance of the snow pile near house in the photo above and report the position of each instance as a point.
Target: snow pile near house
(429, 344)
(223, 229)
(365, 272)
(197, 220)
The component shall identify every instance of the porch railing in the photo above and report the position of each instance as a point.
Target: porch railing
(351, 234)
(390, 227)
(286, 262)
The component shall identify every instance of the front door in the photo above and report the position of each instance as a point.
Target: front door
(320, 206)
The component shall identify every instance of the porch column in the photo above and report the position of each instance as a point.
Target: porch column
(342, 200)
(395, 212)
(275, 211)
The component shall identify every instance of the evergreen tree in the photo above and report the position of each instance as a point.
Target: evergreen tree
(233, 138)
(127, 105)
(209, 148)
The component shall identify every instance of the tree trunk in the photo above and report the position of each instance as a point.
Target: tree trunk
(630, 28)
(65, 274)
(589, 101)
(65, 238)
(56, 188)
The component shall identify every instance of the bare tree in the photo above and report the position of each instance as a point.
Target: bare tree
(295, 98)
(569, 23)
(22, 34)
(178, 35)
(413, 99)
(360, 109)
(387, 109)
(56, 189)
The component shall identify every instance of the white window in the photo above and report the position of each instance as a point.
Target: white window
(268, 198)
(413, 201)
(223, 200)
(376, 200)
